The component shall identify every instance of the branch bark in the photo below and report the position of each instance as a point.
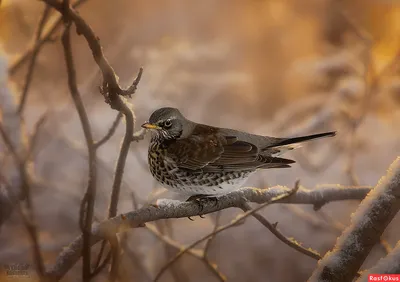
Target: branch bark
(90, 194)
(368, 223)
(176, 209)
(386, 265)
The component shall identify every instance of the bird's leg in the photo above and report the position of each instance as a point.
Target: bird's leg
(200, 199)
(195, 198)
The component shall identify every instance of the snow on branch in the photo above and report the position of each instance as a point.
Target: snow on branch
(388, 264)
(368, 223)
(176, 209)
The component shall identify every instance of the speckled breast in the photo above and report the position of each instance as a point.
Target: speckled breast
(191, 182)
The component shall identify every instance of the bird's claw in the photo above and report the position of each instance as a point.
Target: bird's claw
(201, 200)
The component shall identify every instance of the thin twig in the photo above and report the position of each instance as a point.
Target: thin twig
(47, 37)
(209, 241)
(134, 259)
(28, 212)
(35, 134)
(115, 257)
(110, 132)
(35, 53)
(90, 193)
(111, 91)
(101, 265)
(212, 266)
(371, 84)
(177, 272)
(222, 228)
(288, 241)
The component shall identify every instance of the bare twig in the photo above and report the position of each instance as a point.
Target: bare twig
(111, 90)
(35, 53)
(212, 266)
(371, 83)
(134, 260)
(90, 193)
(386, 246)
(110, 132)
(288, 241)
(35, 134)
(197, 253)
(15, 134)
(28, 212)
(101, 265)
(115, 256)
(222, 228)
(47, 37)
(368, 223)
(178, 273)
(209, 241)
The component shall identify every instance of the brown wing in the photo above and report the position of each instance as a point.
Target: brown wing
(207, 150)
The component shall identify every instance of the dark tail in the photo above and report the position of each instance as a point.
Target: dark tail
(288, 141)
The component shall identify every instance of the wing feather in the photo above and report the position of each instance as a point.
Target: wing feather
(207, 150)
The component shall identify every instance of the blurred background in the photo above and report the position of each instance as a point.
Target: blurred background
(273, 67)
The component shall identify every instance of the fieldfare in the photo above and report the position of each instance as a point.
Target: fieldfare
(201, 160)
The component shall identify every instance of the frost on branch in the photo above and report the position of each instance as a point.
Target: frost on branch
(388, 264)
(368, 223)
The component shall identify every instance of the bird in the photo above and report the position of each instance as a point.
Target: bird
(198, 160)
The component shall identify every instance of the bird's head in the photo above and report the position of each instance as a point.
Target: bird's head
(165, 124)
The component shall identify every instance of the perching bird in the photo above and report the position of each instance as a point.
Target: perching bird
(201, 160)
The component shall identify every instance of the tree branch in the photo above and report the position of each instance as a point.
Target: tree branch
(32, 62)
(110, 132)
(386, 265)
(14, 132)
(47, 37)
(176, 209)
(288, 241)
(90, 193)
(112, 93)
(368, 223)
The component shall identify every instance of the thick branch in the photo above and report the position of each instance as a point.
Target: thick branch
(176, 209)
(368, 223)
(386, 265)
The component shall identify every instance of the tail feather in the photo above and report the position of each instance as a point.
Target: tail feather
(287, 141)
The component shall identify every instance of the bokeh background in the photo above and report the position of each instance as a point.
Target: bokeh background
(273, 67)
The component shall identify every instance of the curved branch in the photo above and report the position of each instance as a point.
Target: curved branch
(176, 209)
(90, 194)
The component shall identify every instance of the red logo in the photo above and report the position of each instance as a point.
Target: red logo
(383, 277)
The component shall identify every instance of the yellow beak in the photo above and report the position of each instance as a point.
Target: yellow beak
(150, 126)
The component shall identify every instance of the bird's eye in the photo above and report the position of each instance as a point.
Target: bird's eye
(167, 123)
